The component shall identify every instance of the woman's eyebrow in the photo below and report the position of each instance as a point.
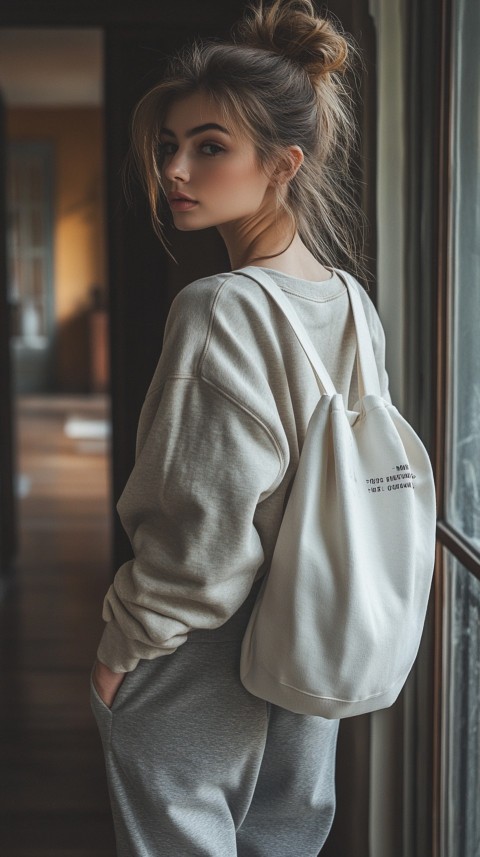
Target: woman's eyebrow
(209, 126)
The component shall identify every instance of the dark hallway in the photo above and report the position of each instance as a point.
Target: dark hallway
(52, 790)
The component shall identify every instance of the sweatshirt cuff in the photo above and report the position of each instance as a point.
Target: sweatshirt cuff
(121, 654)
(114, 650)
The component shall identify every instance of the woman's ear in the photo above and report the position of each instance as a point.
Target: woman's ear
(288, 165)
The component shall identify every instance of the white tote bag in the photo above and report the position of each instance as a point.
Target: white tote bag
(337, 623)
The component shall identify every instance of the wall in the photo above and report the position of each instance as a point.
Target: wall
(79, 226)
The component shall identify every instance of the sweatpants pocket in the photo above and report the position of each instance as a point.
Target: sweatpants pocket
(101, 712)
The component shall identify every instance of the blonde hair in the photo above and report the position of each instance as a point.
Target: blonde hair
(281, 80)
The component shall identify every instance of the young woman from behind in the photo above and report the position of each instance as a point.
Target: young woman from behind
(252, 137)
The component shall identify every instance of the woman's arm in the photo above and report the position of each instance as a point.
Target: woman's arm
(188, 509)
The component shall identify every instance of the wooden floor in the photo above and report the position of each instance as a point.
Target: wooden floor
(53, 800)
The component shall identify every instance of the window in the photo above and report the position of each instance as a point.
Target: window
(30, 263)
(463, 504)
(30, 240)
(461, 743)
(459, 462)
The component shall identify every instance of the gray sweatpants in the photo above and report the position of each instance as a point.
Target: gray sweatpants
(198, 767)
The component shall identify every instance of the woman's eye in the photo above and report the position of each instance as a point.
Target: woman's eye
(166, 149)
(211, 149)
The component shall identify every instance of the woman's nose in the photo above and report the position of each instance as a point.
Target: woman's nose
(177, 168)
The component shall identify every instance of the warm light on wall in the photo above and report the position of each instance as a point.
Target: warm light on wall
(79, 231)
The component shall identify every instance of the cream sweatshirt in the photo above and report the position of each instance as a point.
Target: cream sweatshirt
(218, 443)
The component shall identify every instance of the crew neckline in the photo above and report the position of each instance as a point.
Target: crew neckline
(318, 290)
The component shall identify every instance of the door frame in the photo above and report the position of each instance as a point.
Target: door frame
(8, 530)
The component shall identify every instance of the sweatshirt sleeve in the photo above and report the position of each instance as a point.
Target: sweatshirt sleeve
(188, 509)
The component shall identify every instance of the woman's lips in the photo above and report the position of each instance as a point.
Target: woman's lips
(182, 204)
(179, 201)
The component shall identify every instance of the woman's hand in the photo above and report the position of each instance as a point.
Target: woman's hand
(106, 682)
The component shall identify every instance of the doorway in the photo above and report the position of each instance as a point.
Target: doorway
(52, 789)
(52, 84)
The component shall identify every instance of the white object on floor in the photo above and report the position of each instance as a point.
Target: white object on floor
(77, 427)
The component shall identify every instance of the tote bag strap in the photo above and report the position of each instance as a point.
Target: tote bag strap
(368, 381)
(276, 293)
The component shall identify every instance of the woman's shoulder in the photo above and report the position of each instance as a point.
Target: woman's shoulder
(216, 306)
(210, 318)
(202, 296)
(190, 315)
(197, 298)
(214, 336)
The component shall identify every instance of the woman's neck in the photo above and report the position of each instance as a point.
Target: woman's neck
(267, 244)
(296, 261)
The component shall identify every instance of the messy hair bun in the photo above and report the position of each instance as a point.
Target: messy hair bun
(282, 81)
(293, 30)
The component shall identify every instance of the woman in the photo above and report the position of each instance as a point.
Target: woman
(251, 137)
